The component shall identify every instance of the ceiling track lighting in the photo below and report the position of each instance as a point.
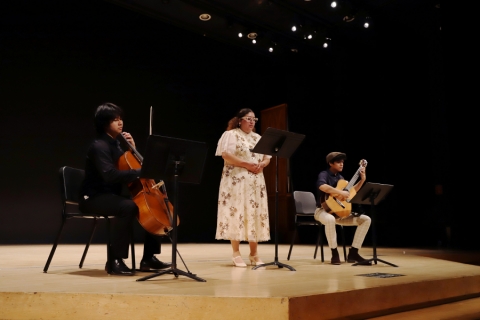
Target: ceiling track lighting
(273, 44)
(326, 43)
(309, 34)
(366, 24)
(308, 31)
(204, 17)
(297, 27)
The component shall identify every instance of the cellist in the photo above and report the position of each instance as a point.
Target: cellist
(104, 191)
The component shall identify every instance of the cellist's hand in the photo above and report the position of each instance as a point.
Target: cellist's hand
(129, 138)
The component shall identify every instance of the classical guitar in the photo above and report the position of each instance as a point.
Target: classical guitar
(339, 208)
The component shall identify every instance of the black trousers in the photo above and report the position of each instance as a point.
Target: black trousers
(124, 210)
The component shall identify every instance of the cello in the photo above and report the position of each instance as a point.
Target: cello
(155, 212)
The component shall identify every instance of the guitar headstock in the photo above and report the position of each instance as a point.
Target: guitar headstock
(363, 163)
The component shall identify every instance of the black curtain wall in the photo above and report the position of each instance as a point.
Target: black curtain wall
(381, 101)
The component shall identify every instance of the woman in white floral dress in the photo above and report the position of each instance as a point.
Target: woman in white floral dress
(242, 198)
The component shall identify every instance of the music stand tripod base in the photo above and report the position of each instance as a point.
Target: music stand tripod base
(367, 262)
(172, 270)
(274, 263)
(176, 272)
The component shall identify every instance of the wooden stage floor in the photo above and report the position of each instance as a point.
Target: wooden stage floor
(434, 284)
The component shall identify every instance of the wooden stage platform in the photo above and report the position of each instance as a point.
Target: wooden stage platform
(426, 284)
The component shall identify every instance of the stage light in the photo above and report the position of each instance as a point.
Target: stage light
(270, 49)
(333, 4)
(366, 24)
(309, 37)
(326, 43)
(240, 35)
(294, 28)
(349, 18)
(205, 17)
(254, 41)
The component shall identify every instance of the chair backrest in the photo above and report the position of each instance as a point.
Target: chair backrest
(70, 184)
(305, 202)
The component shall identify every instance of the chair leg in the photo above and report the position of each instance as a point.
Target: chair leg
(320, 243)
(343, 241)
(132, 248)
(95, 220)
(109, 243)
(317, 243)
(54, 247)
(293, 240)
(323, 232)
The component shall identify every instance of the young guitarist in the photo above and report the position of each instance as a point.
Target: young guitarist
(328, 182)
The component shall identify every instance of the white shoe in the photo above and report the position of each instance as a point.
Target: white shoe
(238, 262)
(255, 260)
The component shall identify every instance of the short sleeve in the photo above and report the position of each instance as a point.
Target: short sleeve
(322, 178)
(227, 142)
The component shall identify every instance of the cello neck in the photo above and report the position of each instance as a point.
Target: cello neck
(132, 148)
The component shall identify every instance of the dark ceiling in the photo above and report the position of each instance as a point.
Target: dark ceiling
(272, 21)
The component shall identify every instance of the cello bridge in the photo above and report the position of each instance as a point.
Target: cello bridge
(158, 185)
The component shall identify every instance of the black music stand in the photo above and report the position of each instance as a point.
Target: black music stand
(277, 143)
(181, 161)
(371, 194)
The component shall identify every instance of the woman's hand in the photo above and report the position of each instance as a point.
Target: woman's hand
(252, 167)
(258, 167)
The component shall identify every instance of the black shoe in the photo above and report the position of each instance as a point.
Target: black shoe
(354, 257)
(119, 268)
(335, 257)
(153, 263)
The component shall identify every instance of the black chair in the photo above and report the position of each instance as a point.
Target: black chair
(70, 183)
(305, 206)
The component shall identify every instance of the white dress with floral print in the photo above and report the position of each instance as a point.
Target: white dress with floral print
(242, 198)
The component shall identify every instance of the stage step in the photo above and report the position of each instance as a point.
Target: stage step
(468, 309)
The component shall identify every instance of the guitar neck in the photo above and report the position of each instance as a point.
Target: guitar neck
(351, 183)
